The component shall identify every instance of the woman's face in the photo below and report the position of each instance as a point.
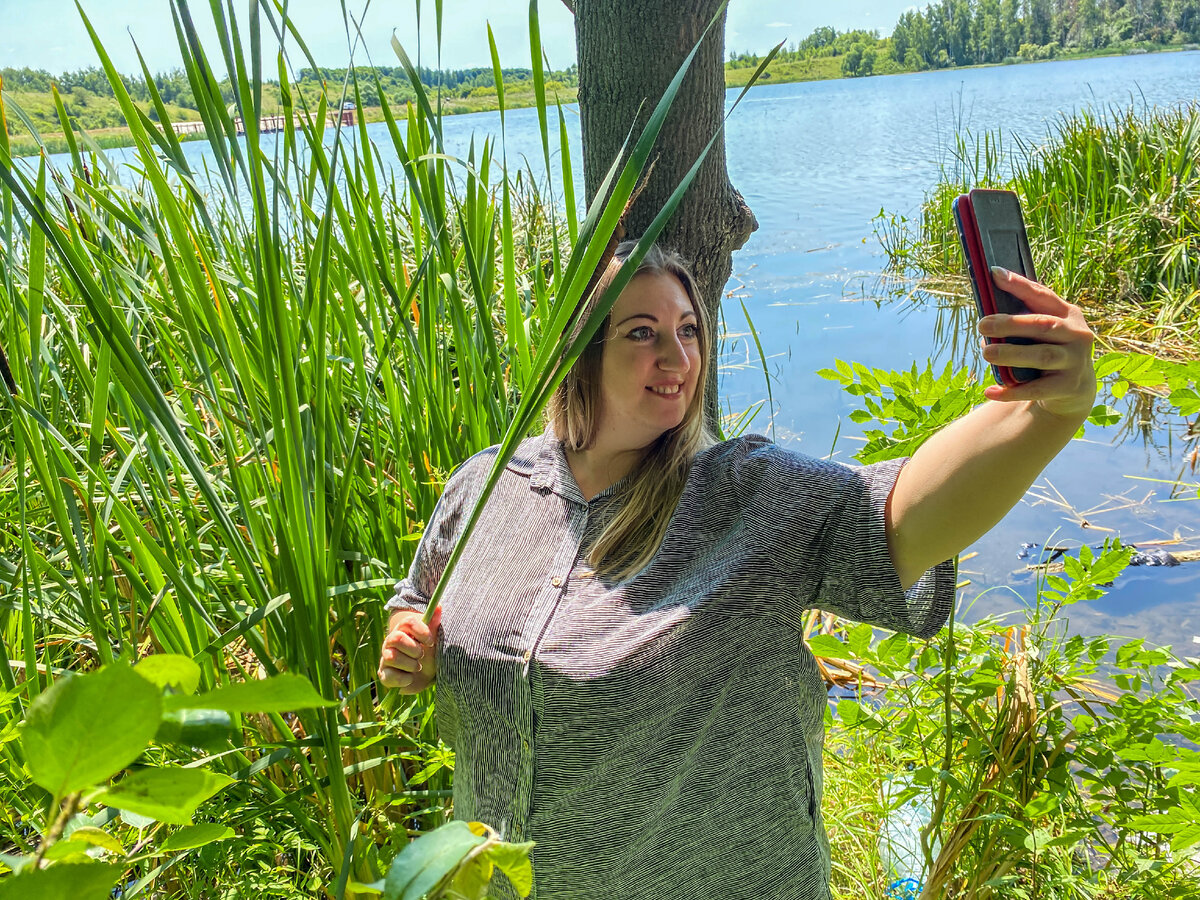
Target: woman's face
(651, 362)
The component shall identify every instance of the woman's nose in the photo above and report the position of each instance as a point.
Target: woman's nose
(673, 356)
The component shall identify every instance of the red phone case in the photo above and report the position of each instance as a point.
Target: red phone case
(981, 278)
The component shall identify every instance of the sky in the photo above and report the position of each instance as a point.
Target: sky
(50, 35)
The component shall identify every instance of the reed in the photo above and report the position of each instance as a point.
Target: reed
(1112, 206)
(236, 394)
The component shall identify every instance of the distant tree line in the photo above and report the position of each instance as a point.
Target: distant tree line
(970, 32)
(80, 88)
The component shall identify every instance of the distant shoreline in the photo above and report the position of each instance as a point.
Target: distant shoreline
(790, 72)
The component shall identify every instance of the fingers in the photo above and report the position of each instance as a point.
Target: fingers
(1059, 345)
(1045, 356)
(407, 661)
(1038, 297)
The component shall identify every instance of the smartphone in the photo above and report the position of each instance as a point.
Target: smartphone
(992, 231)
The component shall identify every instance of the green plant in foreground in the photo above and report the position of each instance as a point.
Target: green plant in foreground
(915, 404)
(85, 729)
(235, 390)
(1053, 765)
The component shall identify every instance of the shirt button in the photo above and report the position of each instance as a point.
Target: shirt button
(556, 581)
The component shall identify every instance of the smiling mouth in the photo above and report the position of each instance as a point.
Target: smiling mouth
(666, 390)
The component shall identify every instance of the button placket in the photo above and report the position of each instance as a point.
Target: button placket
(539, 622)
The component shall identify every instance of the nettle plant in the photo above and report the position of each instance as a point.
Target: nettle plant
(1051, 764)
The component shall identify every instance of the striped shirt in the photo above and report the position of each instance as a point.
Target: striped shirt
(659, 738)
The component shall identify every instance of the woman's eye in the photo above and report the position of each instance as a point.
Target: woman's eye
(690, 332)
(641, 333)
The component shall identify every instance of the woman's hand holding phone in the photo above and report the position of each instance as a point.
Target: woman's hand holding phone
(1062, 349)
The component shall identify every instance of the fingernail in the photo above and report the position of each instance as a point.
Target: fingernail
(1001, 271)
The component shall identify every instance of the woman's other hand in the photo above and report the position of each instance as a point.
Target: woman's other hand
(408, 662)
(1063, 349)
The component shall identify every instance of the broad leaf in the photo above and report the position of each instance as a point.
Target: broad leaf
(86, 728)
(282, 693)
(513, 861)
(828, 646)
(81, 840)
(195, 727)
(170, 670)
(196, 836)
(424, 862)
(65, 881)
(168, 794)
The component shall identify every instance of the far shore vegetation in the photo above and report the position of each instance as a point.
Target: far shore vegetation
(947, 34)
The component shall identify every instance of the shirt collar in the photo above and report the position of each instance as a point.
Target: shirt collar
(545, 462)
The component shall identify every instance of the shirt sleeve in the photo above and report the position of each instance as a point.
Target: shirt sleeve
(821, 527)
(441, 533)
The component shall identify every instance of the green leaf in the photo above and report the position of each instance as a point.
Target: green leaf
(169, 794)
(195, 727)
(1186, 399)
(828, 646)
(199, 835)
(86, 728)
(848, 712)
(135, 820)
(1104, 415)
(65, 881)
(1041, 805)
(513, 861)
(470, 882)
(66, 850)
(170, 670)
(16, 863)
(1186, 839)
(282, 693)
(424, 862)
(89, 836)
(858, 639)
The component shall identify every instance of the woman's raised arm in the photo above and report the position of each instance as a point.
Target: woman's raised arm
(965, 478)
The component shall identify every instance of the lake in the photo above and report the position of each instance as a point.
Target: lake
(816, 162)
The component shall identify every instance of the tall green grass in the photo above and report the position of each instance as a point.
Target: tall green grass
(1112, 206)
(238, 391)
(232, 421)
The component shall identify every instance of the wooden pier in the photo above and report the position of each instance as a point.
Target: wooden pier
(270, 124)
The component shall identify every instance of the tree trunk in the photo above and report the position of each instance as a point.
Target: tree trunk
(628, 53)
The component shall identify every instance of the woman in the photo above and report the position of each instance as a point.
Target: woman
(620, 667)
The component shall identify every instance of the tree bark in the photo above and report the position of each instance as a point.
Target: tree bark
(628, 53)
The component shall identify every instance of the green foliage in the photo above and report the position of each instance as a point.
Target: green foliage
(1179, 381)
(1052, 764)
(79, 881)
(117, 710)
(457, 862)
(1112, 205)
(913, 404)
(85, 729)
(237, 392)
(92, 101)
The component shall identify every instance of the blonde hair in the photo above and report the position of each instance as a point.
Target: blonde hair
(630, 540)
